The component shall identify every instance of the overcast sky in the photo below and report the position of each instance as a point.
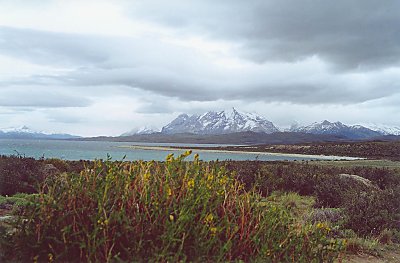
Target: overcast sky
(107, 67)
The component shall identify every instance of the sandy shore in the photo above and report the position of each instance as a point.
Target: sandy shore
(164, 148)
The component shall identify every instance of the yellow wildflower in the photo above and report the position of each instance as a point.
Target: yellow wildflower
(171, 218)
(223, 180)
(209, 219)
(323, 226)
(213, 231)
(170, 157)
(187, 153)
(210, 177)
(190, 183)
(146, 176)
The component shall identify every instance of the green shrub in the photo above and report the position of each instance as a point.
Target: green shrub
(22, 175)
(18, 174)
(368, 213)
(172, 211)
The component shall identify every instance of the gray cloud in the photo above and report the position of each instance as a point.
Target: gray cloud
(51, 48)
(356, 35)
(39, 97)
(61, 117)
(236, 85)
(178, 72)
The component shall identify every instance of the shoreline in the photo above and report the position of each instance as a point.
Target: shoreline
(166, 148)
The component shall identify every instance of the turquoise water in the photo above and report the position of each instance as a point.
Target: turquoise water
(90, 150)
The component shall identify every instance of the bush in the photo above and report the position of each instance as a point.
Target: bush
(370, 213)
(18, 174)
(22, 175)
(172, 211)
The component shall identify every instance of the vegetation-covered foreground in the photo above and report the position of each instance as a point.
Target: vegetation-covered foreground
(177, 210)
(196, 211)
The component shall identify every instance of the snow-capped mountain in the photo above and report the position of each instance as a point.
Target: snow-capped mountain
(23, 129)
(25, 132)
(141, 131)
(337, 128)
(384, 129)
(221, 122)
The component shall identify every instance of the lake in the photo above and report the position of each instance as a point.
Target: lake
(90, 150)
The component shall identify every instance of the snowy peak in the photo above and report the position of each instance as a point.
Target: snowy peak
(384, 129)
(23, 129)
(146, 130)
(219, 122)
(140, 131)
(337, 128)
(25, 132)
(320, 127)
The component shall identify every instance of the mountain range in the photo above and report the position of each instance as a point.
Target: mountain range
(25, 132)
(230, 126)
(234, 121)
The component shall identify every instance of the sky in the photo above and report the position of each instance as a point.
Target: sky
(107, 67)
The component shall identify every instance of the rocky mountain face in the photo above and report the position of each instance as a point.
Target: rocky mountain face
(338, 128)
(26, 133)
(219, 122)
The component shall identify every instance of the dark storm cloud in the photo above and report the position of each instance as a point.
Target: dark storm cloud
(349, 34)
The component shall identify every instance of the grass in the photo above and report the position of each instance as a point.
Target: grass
(165, 211)
(298, 206)
(18, 200)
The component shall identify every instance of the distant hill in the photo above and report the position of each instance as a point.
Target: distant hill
(26, 133)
